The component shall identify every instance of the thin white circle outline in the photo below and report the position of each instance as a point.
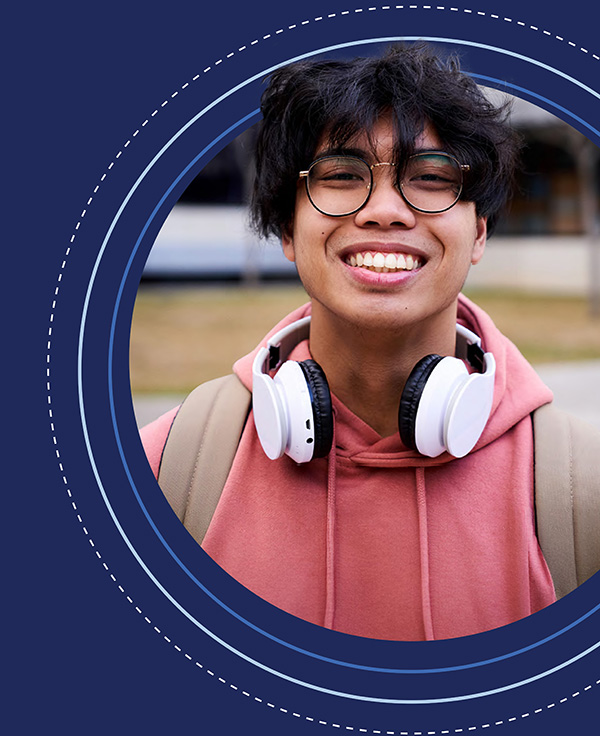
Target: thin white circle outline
(80, 351)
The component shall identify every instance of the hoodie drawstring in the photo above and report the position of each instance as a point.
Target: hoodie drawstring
(330, 541)
(424, 552)
(330, 545)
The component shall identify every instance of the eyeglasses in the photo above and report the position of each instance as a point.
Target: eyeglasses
(430, 181)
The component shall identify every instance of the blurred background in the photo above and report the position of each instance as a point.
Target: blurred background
(211, 290)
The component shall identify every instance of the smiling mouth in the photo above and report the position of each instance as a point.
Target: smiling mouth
(383, 262)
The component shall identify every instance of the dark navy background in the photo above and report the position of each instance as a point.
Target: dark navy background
(103, 591)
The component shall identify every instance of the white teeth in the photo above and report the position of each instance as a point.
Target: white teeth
(390, 260)
(384, 262)
(378, 260)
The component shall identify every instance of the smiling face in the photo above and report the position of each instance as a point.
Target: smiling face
(386, 267)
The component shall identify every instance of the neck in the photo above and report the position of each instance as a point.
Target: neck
(367, 367)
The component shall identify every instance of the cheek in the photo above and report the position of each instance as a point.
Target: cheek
(463, 238)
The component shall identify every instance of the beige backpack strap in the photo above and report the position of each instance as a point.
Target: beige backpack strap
(567, 496)
(200, 448)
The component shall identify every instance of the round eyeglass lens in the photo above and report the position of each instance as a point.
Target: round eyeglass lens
(432, 182)
(339, 185)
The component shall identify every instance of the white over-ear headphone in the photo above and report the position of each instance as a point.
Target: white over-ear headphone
(292, 411)
(443, 407)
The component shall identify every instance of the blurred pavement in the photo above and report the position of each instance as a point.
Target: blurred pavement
(148, 407)
(576, 387)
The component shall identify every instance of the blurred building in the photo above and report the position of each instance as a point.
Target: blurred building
(558, 181)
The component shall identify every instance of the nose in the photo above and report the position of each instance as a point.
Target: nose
(386, 207)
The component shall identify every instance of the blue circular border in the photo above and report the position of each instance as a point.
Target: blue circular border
(82, 408)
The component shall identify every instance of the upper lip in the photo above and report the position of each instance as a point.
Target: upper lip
(378, 247)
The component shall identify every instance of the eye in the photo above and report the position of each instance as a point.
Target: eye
(340, 171)
(341, 175)
(433, 172)
(428, 176)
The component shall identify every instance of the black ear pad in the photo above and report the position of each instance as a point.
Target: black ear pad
(409, 401)
(321, 404)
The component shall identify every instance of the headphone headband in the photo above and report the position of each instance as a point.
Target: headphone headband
(280, 345)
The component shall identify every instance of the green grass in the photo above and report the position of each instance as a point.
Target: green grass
(183, 335)
(545, 328)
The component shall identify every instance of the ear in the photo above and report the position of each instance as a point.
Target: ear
(287, 244)
(480, 240)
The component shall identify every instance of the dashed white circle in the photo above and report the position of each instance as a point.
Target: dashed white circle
(214, 65)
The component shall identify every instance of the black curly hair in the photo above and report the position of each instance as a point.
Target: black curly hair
(338, 99)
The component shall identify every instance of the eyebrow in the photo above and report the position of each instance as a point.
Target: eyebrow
(339, 151)
(366, 155)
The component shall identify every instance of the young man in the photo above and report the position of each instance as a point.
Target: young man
(382, 486)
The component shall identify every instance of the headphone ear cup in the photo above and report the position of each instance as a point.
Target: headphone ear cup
(270, 416)
(411, 396)
(321, 405)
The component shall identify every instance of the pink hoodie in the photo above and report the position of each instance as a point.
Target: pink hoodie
(379, 541)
